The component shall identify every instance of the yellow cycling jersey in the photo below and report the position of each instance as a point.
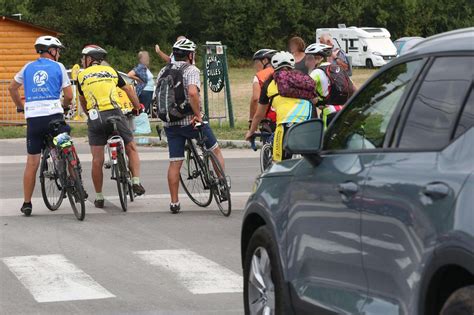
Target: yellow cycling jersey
(288, 110)
(100, 87)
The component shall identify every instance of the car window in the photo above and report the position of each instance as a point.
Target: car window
(466, 121)
(437, 104)
(363, 124)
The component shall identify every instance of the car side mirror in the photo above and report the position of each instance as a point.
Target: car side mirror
(305, 138)
(364, 48)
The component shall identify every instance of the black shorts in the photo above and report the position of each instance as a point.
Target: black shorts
(99, 130)
(36, 130)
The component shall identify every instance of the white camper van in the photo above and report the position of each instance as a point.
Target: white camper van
(367, 46)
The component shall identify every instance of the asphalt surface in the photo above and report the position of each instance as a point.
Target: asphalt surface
(144, 261)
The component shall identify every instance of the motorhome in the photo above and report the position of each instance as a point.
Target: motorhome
(367, 46)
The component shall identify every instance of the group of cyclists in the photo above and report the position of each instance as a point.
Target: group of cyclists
(45, 79)
(283, 95)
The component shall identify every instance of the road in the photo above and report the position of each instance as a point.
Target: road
(145, 261)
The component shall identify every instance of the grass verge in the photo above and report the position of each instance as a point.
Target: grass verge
(221, 131)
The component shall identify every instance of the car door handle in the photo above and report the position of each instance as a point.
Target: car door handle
(436, 190)
(348, 188)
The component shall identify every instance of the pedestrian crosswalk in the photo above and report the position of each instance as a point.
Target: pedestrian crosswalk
(198, 274)
(55, 278)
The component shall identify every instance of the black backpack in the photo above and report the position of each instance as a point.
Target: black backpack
(171, 101)
(340, 88)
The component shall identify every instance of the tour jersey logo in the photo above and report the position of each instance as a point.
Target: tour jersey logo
(40, 77)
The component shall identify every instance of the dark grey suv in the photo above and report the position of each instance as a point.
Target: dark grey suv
(378, 215)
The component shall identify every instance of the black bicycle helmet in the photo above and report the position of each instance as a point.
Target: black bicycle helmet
(96, 52)
(264, 53)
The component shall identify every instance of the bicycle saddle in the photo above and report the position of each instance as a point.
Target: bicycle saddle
(113, 119)
(55, 124)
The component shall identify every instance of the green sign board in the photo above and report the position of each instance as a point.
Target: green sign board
(215, 73)
(216, 79)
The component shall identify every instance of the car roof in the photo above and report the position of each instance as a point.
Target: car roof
(454, 41)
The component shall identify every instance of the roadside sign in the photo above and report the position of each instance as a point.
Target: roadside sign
(217, 96)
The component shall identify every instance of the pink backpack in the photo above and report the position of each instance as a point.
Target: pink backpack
(294, 84)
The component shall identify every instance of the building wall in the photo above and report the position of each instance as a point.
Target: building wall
(16, 49)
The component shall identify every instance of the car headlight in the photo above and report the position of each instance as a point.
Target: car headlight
(376, 53)
(256, 183)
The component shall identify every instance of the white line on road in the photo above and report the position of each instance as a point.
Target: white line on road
(146, 203)
(144, 156)
(53, 278)
(197, 273)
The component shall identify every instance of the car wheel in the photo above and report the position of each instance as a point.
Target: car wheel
(369, 64)
(461, 302)
(264, 289)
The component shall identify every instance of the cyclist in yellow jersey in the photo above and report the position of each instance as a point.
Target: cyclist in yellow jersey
(99, 96)
(288, 110)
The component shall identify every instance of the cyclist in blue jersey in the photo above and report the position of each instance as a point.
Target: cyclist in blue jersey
(43, 80)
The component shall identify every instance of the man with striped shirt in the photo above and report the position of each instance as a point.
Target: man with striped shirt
(177, 132)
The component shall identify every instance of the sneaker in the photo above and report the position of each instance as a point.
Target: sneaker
(27, 208)
(138, 189)
(99, 203)
(175, 208)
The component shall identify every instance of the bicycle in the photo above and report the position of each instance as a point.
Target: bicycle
(266, 152)
(200, 181)
(118, 163)
(60, 172)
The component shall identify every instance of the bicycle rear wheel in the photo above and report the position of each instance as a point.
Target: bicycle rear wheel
(75, 192)
(121, 171)
(220, 188)
(192, 177)
(266, 156)
(51, 188)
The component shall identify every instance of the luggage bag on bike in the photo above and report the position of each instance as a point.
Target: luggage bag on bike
(170, 95)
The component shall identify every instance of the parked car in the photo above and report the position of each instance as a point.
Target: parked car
(378, 216)
(406, 43)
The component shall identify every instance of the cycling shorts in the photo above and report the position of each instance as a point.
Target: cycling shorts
(279, 153)
(177, 136)
(99, 131)
(37, 128)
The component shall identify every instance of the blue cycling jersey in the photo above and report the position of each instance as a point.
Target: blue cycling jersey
(43, 81)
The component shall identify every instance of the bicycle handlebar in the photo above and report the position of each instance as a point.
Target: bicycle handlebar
(261, 135)
(198, 124)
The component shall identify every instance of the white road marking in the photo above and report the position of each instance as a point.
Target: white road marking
(146, 203)
(53, 278)
(144, 156)
(197, 273)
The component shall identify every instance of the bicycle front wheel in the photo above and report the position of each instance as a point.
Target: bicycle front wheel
(266, 156)
(51, 188)
(75, 192)
(192, 177)
(220, 187)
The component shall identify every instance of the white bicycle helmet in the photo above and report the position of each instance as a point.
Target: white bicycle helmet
(43, 43)
(283, 59)
(185, 45)
(96, 52)
(319, 49)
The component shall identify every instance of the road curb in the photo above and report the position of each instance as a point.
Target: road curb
(156, 141)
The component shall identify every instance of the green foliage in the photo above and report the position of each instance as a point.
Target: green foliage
(127, 26)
